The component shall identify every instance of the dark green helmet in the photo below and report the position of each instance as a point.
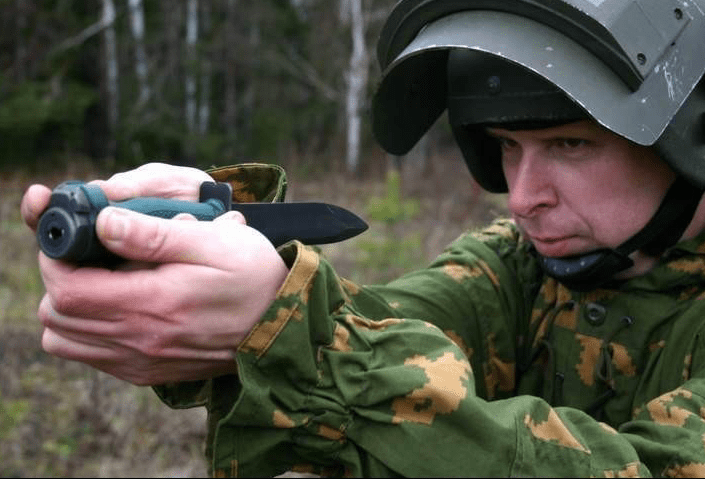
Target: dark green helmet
(635, 67)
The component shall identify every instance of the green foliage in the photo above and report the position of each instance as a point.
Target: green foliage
(284, 62)
(158, 140)
(24, 112)
(208, 150)
(269, 129)
(12, 413)
(391, 208)
(40, 115)
(34, 104)
(386, 256)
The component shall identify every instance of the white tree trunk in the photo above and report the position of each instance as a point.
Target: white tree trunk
(230, 86)
(111, 65)
(356, 83)
(191, 38)
(344, 11)
(204, 110)
(136, 10)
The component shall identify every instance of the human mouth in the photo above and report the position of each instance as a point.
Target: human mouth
(553, 246)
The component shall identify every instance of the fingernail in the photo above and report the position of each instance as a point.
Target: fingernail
(115, 224)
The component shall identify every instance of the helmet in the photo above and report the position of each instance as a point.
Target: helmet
(635, 67)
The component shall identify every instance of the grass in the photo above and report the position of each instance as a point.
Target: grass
(62, 418)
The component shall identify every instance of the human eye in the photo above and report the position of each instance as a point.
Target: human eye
(506, 143)
(571, 143)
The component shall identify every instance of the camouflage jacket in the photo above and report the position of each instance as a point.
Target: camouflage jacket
(478, 365)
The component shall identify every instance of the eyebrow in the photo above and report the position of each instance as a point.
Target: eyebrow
(491, 131)
(496, 135)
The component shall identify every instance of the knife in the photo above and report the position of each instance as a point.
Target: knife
(66, 229)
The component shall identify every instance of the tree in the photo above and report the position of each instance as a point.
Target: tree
(136, 13)
(231, 97)
(111, 68)
(190, 81)
(204, 108)
(272, 79)
(356, 77)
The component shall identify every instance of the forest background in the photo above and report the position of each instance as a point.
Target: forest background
(92, 87)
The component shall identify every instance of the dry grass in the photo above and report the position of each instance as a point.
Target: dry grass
(61, 418)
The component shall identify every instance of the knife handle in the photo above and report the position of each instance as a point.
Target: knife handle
(66, 230)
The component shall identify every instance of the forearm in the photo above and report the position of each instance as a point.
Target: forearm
(323, 386)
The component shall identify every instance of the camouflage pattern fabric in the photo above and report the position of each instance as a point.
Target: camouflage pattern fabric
(478, 365)
(253, 182)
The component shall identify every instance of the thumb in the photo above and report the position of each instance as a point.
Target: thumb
(139, 237)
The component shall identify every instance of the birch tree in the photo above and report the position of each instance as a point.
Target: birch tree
(190, 81)
(356, 77)
(111, 67)
(230, 73)
(136, 14)
(204, 107)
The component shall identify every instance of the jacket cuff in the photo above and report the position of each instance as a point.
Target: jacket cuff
(303, 264)
(253, 182)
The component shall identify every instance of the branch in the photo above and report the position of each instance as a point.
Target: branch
(87, 33)
(302, 69)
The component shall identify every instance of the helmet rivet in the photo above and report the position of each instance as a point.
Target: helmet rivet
(494, 84)
(641, 58)
(678, 13)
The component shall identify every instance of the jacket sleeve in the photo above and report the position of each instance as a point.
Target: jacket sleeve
(668, 431)
(336, 380)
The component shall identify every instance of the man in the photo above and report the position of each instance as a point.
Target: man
(566, 342)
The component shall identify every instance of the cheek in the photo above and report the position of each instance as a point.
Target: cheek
(622, 204)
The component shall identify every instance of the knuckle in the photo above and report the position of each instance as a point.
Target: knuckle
(50, 343)
(150, 342)
(156, 240)
(49, 346)
(44, 311)
(139, 380)
(63, 302)
(147, 347)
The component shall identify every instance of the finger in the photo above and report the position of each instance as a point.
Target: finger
(185, 217)
(34, 202)
(74, 349)
(86, 292)
(155, 179)
(140, 237)
(118, 189)
(232, 216)
(51, 318)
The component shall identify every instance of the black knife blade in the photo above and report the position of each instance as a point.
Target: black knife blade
(310, 223)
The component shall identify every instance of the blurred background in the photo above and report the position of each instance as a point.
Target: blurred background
(92, 87)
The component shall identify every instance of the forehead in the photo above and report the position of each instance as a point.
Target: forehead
(581, 128)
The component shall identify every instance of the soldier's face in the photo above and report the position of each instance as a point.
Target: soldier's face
(577, 187)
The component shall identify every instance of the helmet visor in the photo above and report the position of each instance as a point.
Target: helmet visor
(414, 89)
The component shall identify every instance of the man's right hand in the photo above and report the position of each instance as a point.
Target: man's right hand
(178, 310)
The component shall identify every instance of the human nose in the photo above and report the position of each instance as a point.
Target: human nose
(530, 180)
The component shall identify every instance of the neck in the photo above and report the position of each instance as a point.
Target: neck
(643, 262)
(697, 225)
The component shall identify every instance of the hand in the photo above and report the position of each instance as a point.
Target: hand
(180, 315)
(153, 179)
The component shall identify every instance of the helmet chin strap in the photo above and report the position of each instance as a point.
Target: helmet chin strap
(590, 270)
